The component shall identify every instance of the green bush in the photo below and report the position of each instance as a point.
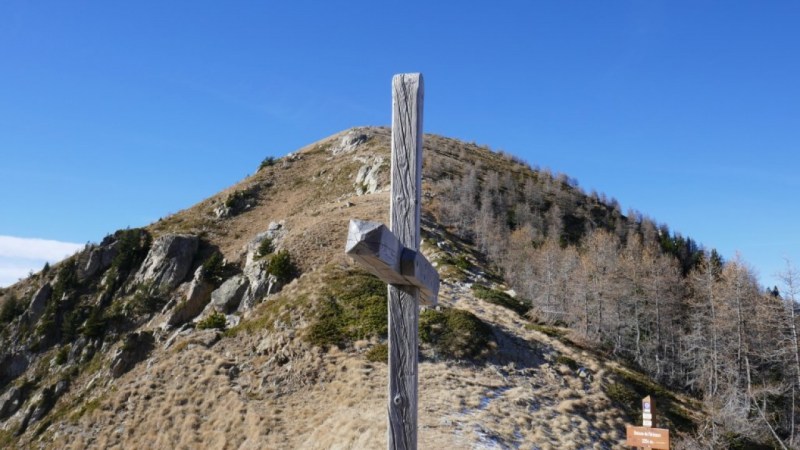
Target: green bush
(455, 333)
(133, 245)
(267, 162)
(11, 309)
(567, 361)
(213, 269)
(62, 355)
(95, 325)
(355, 307)
(145, 301)
(462, 262)
(215, 320)
(237, 199)
(500, 298)
(282, 267)
(265, 247)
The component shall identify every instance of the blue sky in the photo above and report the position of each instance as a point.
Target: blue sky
(113, 115)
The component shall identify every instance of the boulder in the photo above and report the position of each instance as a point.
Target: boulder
(11, 401)
(367, 181)
(39, 302)
(228, 296)
(61, 387)
(168, 261)
(197, 296)
(257, 285)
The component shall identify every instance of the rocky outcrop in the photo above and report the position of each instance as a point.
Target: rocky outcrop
(367, 178)
(275, 233)
(228, 296)
(168, 261)
(98, 260)
(11, 401)
(257, 284)
(39, 302)
(135, 348)
(349, 142)
(197, 297)
(40, 404)
(236, 203)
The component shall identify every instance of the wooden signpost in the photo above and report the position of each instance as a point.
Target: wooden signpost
(646, 436)
(393, 255)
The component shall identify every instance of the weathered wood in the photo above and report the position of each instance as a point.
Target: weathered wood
(407, 100)
(393, 255)
(379, 251)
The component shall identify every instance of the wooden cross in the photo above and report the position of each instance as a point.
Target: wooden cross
(393, 255)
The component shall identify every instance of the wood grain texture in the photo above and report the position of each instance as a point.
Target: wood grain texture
(407, 99)
(375, 248)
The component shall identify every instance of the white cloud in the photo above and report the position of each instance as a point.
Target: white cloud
(20, 256)
(39, 249)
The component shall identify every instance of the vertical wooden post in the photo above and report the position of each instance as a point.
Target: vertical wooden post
(407, 99)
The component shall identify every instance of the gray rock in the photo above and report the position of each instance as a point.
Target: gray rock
(61, 387)
(76, 349)
(228, 296)
(257, 286)
(275, 231)
(168, 261)
(367, 178)
(39, 302)
(198, 295)
(41, 403)
(11, 401)
(349, 142)
(223, 212)
(99, 259)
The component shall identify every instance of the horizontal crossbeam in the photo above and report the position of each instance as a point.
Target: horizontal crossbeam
(379, 251)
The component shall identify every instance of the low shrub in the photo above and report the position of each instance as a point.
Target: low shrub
(265, 247)
(62, 355)
(500, 298)
(213, 269)
(282, 267)
(567, 361)
(355, 307)
(267, 162)
(11, 309)
(214, 320)
(455, 333)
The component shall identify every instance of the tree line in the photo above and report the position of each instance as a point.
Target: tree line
(629, 287)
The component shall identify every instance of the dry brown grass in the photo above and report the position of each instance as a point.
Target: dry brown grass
(264, 387)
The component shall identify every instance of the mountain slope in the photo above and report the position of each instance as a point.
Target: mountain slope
(113, 353)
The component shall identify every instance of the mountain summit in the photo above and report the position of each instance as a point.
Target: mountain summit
(240, 323)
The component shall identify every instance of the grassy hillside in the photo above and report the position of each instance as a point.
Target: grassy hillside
(289, 351)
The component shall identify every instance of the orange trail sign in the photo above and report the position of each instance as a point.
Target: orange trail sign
(646, 437)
